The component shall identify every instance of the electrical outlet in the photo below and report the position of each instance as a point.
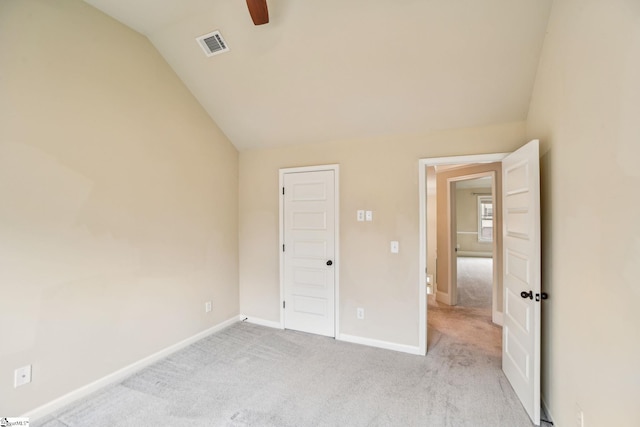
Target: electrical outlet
(360, 313)
(22, 376)
(579, 416)
(207, 306)
(360, 216)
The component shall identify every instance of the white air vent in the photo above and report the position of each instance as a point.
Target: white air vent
(212, 43)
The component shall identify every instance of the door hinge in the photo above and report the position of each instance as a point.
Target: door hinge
(284, 304)
(282, 248)
(283, 190)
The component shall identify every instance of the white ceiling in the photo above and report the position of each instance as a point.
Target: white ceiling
(335, 69)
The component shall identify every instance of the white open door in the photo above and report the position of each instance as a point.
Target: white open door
(521, 280)
(309, 223)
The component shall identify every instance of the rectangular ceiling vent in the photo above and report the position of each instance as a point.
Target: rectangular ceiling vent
(212, 43)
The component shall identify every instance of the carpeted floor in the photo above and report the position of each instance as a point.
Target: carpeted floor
(249, 375)
(475, 281)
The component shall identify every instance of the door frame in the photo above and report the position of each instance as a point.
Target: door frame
(336, 265)
(451, 222)
(422, 229)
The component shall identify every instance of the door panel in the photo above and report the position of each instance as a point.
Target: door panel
(521, 249)
(309, 243)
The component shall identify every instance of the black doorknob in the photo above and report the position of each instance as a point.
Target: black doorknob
(329, 262)
(529, 294)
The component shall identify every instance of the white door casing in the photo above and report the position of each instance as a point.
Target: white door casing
(521, 257)
(422, 253)
(309, 249)
(453, 243)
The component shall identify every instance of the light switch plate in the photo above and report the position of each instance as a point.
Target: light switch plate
(395, 247)
(369, 215)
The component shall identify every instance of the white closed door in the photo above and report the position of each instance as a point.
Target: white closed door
(309, 251)
(522, 294)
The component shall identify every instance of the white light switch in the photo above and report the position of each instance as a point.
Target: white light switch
(360, 216)
(369, 215)
(395, 247)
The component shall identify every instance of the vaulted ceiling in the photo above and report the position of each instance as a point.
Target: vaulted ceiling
(326, 70)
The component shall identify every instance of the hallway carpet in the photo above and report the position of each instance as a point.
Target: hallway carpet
(475, 281)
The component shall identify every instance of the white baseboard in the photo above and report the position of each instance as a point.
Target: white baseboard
(497, 318)
(380, 344)
(443, 297)
(121, 374)
(261, 322)
(546, 409)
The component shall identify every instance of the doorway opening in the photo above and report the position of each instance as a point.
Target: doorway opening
(467, 222)
(438, 234)
(518, 242)
(474, 219)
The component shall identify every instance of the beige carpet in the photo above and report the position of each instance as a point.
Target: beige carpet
(469, 322)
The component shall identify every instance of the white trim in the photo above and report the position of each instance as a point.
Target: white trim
(122, 373)
(545, 407)
(422, 260)
(471, 158)
(451, 224)
(261, 322)
(281, 243)
(497, 317)
(444, 297)
(336, 182)
(411, 349)
(422, 271)
(423, 292)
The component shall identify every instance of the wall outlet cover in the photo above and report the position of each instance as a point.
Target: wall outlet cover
(22, 376)
(579, 416)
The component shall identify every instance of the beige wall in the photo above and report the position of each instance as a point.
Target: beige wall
(585, 109)
(118, 214)
(380, 175)
(467, 221)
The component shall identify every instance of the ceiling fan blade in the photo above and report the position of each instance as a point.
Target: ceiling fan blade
(258, 10)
